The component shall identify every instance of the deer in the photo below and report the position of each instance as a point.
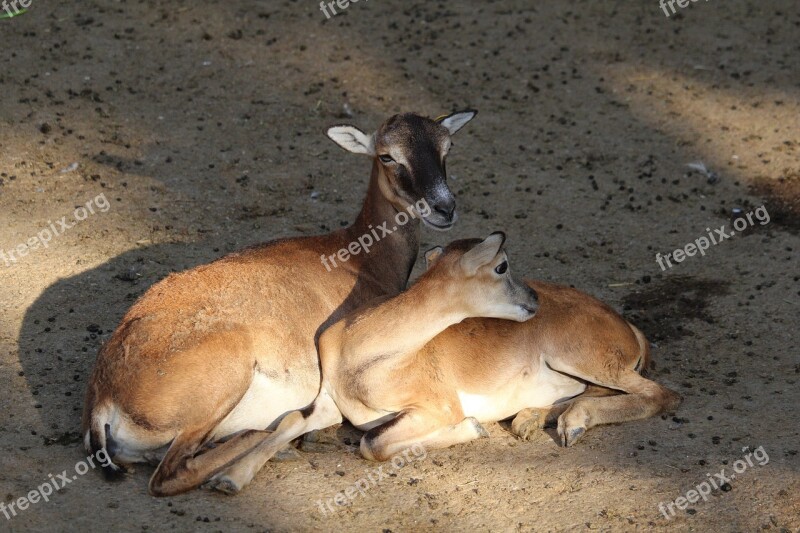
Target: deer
(468, 344)
(203, 366)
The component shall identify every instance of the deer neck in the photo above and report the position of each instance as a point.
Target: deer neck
(404, 324)
(395, 246)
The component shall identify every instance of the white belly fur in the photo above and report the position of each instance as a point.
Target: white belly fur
(261, 405)
(546, 387)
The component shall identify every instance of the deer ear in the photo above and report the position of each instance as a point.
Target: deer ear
(483, 253)
(457, 120)
(433, 255)
(352, 139)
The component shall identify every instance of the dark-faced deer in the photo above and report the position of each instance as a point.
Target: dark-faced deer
(224, 350)
(429, 365)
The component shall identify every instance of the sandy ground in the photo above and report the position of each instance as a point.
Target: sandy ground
(201, 124)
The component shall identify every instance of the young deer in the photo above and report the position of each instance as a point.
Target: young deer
(412, 370)
(227, 348)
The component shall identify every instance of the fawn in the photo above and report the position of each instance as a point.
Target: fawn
(466, 344)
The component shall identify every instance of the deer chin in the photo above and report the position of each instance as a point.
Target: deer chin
(440, 226)
(528, 312)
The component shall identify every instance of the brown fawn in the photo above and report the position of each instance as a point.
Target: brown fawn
(429, 365)
(224, 350)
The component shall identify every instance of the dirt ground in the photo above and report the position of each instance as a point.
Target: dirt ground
(202, 125)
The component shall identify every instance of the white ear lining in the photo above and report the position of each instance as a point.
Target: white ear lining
(456, 121)
(353, 139)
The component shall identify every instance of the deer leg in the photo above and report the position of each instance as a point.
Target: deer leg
(644, 398)
(530, 421)
(321, 414)
(418, 427)
(188, 462)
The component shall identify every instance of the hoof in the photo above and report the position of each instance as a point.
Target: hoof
(222, 484)
(569, 435)
(479, 429)
(528, 429)
(525, 428)
(572, 425)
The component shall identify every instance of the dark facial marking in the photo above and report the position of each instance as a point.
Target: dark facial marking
(420, 139)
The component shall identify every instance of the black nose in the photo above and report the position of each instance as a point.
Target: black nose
(446, 208)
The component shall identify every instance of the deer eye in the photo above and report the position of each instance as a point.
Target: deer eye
(502, 268)
(386, 158)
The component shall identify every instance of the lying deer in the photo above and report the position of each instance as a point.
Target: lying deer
(227, 348)
(429, 365)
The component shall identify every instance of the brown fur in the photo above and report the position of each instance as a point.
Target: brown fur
(412, 370)
(188, 352)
